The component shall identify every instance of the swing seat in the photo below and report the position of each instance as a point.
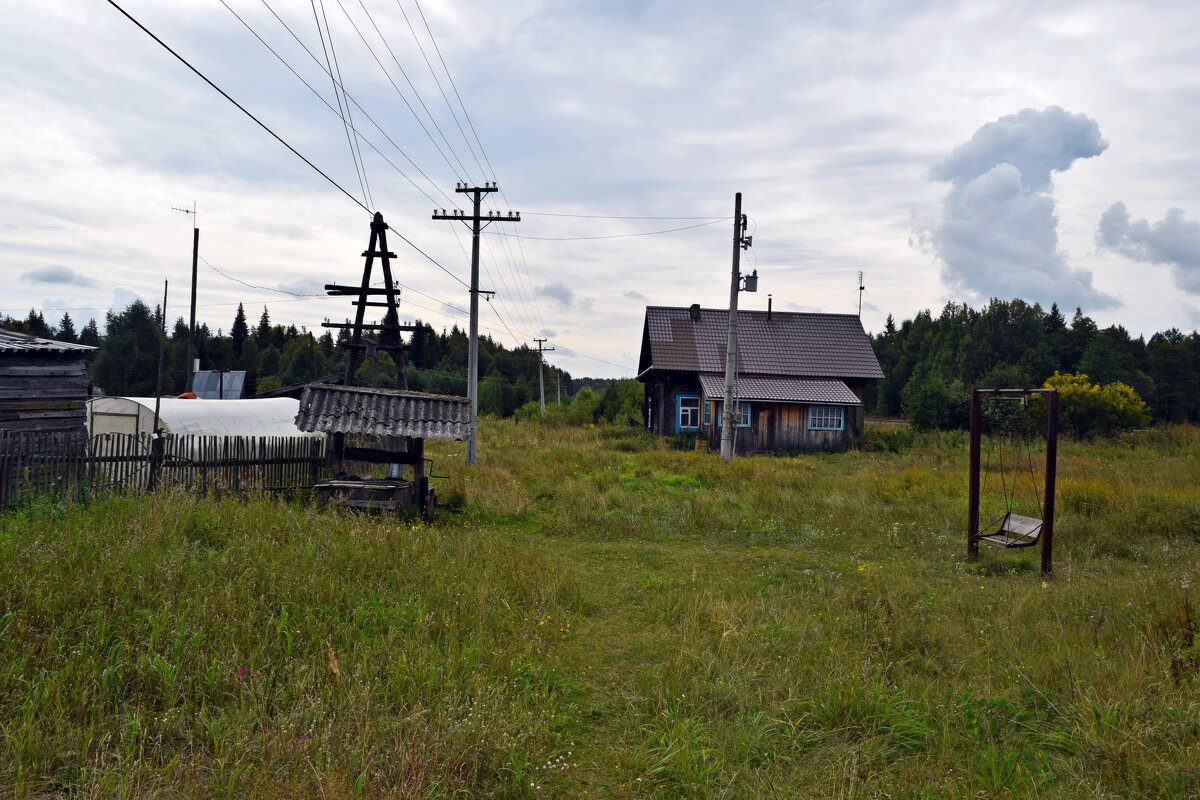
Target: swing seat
(1014, 531)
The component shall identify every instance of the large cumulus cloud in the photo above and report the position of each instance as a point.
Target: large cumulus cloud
(998, 235)
(1172, 240)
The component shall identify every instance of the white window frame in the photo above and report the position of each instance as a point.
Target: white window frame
(679, 409)
(826, 418)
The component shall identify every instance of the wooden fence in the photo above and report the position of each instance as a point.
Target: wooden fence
(73, 466)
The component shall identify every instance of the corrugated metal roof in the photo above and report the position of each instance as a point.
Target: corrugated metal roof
(782, 390)
(792, 344)
(383, 412)
(13, 342)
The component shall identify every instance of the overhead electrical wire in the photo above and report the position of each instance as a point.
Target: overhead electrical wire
(351, 98)
(610, 236)
(343, 110)
(441, 58)
(411, 85)
(240, 107)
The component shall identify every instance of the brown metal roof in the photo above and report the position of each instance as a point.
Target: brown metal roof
(383, 412)
(13, 342)
(791, 344)
(782, 390)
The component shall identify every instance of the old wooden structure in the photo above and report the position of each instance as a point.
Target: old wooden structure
(43, 384)
(379, 426)
(799, 386)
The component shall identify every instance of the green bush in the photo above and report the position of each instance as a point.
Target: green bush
(1086, 409)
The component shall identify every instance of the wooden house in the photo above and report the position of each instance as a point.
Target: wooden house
(799, 386)
(43, 384)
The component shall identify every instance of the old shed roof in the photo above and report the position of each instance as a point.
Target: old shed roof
(789, 344)
(13, 342)
(782, 390)
(383, 412)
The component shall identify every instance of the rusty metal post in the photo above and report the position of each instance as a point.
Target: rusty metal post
(973, 480)
(1051, 476)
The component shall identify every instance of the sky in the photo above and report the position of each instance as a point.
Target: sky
(950, 151)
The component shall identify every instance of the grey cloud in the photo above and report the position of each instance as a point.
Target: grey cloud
(453, 311)
(559, 292)
(1172, 240)
(549, 333)
(635, 295)
(57, 274)
(998, 235)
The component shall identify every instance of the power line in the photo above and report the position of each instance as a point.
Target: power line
(241, 108)
(344, 112)
(335, 112)
(351, 98)
(612, 236)
(610, 216)
(411, 85)
(482, 150)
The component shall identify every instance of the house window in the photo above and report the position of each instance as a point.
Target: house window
(826, 418)
(687, 412)
(708, 407)
(743, 413)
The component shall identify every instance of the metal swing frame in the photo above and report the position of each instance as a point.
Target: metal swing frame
(1017, 531)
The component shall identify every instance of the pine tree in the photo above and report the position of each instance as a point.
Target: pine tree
(262, 334)
(239, 331)
(90, 335)
(66, 329)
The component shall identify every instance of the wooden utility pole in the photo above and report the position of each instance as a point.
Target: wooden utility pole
(477, 222)
(729, 413)
(390, 328)
(541, 384)
(191, 347)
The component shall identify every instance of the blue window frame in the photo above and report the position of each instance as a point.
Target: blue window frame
(687, 412)
(826, 418)
(717, 408)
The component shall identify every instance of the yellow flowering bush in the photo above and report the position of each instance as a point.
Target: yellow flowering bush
(1087, 409)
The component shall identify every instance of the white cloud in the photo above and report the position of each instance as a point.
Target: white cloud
(998, 235)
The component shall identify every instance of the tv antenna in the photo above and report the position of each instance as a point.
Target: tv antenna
(861, 289)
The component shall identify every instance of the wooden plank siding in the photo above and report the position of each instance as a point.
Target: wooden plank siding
(43, 391)
(781, 428)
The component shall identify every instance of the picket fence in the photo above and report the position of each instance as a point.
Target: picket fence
(41, 463)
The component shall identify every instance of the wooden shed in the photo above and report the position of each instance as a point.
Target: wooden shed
(800, 377)
(43, 384)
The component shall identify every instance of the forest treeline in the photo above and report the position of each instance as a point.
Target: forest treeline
(930, 363)
(274, 356)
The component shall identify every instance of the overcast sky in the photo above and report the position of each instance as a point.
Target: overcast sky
(949, 150)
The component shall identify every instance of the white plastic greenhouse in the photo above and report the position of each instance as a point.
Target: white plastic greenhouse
(134, 416)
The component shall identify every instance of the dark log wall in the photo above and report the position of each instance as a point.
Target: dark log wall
(43, 392)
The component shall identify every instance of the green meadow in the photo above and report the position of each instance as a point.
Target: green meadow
(600, 615)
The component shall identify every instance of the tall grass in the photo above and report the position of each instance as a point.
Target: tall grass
(609, 617)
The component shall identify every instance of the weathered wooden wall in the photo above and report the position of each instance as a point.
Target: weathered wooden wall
(43, 391)
(783, 428)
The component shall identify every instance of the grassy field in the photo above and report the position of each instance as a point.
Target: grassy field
(607, 617)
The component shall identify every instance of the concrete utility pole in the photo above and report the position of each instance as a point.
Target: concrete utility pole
(729, 415)
(541, 384)
(191, 348)
(477, 222)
